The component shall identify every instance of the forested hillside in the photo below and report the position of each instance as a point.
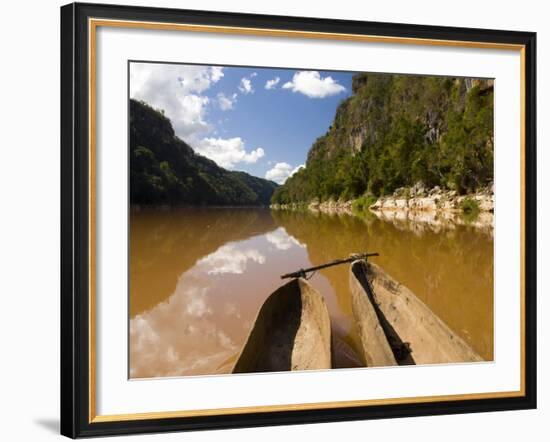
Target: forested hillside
(164, 170)
(396, 130)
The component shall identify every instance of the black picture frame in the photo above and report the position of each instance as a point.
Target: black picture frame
(75, 220)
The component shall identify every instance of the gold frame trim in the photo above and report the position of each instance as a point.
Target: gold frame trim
(93, 24)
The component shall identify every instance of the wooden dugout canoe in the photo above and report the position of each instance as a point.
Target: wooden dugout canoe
(415, 335)
(291, 332)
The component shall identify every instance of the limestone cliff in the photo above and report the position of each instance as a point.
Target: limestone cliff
(396, 130)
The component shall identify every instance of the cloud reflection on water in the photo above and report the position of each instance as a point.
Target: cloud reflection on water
(282, 240)
(230, 259)
(207, 318)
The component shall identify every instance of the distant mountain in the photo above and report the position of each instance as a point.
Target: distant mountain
(396, 130)
(165, 170)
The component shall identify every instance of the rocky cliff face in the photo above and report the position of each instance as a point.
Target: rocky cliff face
(362, 110)
(396, 130)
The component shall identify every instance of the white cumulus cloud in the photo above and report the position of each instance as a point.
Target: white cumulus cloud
(281, 172)
(181, 92)
(192, 114)
(178, 91)
(216, 73)
(226, 152)
(271, 84)
(312, 85)
(226, 102)
(245, 86)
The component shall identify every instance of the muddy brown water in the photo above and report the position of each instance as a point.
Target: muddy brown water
(199, 276)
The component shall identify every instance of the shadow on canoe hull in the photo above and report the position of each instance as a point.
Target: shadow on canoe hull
(291, 332)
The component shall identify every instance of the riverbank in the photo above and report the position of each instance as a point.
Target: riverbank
(418, 198)
(435, 207)
(169, 207)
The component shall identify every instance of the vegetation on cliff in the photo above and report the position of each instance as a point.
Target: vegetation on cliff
(396, 130)
(166, 170)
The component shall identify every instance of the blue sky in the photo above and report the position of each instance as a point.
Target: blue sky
(235, 117)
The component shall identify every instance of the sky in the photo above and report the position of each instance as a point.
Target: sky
(259, 120)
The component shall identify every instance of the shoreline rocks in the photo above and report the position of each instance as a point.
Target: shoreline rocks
(434, 207)
(329, 207)
(418, 198)
(332, 206)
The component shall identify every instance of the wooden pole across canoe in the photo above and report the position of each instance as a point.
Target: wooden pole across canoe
(353, 257)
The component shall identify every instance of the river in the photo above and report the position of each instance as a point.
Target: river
(198, 277)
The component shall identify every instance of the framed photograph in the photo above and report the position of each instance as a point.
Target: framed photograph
(275, 220)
